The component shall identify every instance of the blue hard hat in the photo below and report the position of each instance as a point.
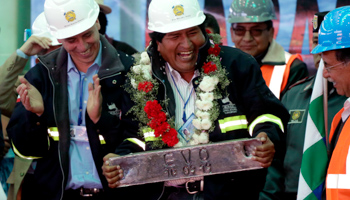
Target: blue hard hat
(334, 32)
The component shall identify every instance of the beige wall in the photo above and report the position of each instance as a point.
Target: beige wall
(15, 17)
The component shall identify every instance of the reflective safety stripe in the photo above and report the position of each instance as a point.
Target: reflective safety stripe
(265, 118)
(138, 142)
(149, 136)
(233, 123)
(53, 133)
(23, 156)
(340, 181)
(102, 139)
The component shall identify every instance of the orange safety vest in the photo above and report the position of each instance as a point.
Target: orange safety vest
(276, 76)
(338, 174)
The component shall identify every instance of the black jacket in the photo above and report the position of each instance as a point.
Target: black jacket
(252, 98)
(29, 133)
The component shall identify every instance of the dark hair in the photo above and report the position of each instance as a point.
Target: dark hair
(158, 37)
(269, 24)
(103, 22)
(211, 22)
(343, 55)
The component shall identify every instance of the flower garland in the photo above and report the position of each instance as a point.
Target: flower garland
(150, 113)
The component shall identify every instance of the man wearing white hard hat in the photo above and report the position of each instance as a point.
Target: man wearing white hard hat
(184, 80)
(40, 43)
(50, 124)
(252, 31)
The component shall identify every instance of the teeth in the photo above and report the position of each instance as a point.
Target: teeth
(86, 52)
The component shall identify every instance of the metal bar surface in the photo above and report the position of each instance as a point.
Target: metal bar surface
(195, 161)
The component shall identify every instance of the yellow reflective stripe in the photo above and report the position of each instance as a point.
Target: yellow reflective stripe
(53, 132)
(23, 156)
(102, 139)
(233, 123)
(138, 142)
(266, 118)
(149, 136)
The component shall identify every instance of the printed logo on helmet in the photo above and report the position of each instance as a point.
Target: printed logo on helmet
(178, 10)
(314, 22)
(70, 16)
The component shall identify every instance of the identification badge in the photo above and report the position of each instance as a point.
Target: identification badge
(187, 129)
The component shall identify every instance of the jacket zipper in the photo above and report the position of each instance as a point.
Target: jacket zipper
(54, 114)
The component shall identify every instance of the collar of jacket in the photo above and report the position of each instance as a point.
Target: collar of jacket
(158, 70)
(275, 55)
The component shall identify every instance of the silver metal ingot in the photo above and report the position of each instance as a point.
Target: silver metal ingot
(194, 161)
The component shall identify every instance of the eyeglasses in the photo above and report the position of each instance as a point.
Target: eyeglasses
(253, 32)
(330, 67)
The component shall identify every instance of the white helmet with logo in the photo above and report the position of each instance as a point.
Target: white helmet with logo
(246, 11)
(41, 28)
(166, 16)
(67, 18)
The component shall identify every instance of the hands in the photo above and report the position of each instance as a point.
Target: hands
(112, 173)
(265, 152)
(30, 97)
(35, 44)
(94, 107)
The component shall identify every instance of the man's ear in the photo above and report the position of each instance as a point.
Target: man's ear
(231, 30)
(271, 33)
(98, 25)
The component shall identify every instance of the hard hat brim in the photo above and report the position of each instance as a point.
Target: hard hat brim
(162, 28)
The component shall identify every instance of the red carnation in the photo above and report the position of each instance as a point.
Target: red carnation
(208, 31)
(209, 67)
(170, 138)
(145, 86)
(214, 50)
(162, 129)
(152, 109)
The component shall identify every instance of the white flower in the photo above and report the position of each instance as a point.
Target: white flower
(147, 68)
(147, 72)
(133, 83)
(202, 115)
(208, 96)
(206, 124)
(208, 84)
(204, 105)
(216, 80)
(197, 123)
(136, 69)
(203, 138)
(147, 75)
(144, 58)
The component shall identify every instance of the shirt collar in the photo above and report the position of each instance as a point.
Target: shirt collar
(346, 111)
(176, 74)
(98, 61)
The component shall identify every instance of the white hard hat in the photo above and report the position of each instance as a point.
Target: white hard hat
(40, 28)
(67, 18)
(246, 11)
(166, 16)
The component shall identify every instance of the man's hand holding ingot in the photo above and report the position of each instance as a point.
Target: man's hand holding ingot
(265, 152)
(113, 174)
(30, 97)
(94, 102)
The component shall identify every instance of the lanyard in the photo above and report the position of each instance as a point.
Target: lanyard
(184, 118)
(81, 94)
